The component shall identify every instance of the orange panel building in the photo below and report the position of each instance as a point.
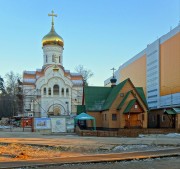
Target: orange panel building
(157, 70)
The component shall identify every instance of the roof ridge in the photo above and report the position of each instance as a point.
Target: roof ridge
(123, 100)
(113, 94)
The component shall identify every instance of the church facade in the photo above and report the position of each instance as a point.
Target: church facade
(51, 90)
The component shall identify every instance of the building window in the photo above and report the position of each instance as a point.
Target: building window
(49, 91)
(136, 106)
(44, 91)
(67, 92)
(114, 117)
(150, 102)
(105, 117)
(56, 90)
(163, 118)
(62, 92)
(59, 59)
(152, 96)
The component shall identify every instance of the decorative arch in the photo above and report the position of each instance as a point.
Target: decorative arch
(56, 109)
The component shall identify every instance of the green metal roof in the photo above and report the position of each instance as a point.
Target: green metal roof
(81, 108)
(112, 96)
(101, 98)
(123, 100)
(142, 95)
(95, 97)
(129, 106)
(170, 111)
(177, 110)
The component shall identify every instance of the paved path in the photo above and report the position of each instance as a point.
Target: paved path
(93, 158)
(55, 140)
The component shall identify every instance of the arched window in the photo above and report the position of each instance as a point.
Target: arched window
(62, 91)
(67, 92)
(56, 90)
(59, 59)
(49, 91)
(44, 91)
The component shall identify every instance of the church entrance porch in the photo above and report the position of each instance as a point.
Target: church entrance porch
(133, 120)
(57, 110)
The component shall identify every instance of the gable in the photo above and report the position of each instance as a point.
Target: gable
(137, 108)
(123, 100)
(112, 96)
(130, 108)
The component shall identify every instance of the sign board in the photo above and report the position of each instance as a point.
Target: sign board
(58, 124)
(70, 123)
(42, 123)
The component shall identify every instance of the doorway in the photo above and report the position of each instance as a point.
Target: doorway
(158, 121)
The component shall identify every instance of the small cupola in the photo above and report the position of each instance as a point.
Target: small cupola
(113, 80)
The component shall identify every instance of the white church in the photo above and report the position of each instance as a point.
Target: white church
(51, 90)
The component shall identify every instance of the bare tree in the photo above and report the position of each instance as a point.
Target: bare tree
(12, 83)
(86, 73)
(2, 88)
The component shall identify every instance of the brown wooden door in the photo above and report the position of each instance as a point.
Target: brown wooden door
(131, 120)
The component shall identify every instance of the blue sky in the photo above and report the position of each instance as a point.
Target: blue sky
(99, 34)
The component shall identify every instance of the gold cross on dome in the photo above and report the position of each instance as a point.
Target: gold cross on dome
(52, 14)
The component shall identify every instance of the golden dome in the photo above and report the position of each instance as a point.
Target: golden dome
(52, 38)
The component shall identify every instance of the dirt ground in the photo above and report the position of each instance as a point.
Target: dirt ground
(15, 152)
(15, 146)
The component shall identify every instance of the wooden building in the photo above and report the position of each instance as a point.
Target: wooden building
(121, 106)
(164, 118)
